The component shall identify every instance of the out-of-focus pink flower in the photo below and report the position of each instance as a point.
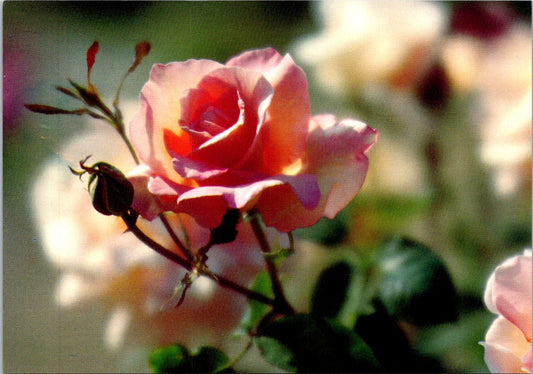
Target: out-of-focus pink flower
(366, 43)
(508, 294)
(17, 73)
(239, 135)
(98, 261)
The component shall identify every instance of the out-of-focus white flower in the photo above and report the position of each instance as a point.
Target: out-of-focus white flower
(371, 42)
(498, 71)
(98, 261)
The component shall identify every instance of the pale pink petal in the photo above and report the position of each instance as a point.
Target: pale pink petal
(500, 360)
(144, 202)
(508, 335)
(207, 210)
(512, 292)
(197, 170)
(262, 60)
(336, 155)
(487, 296)
(505, 345)
(280, 208)
(216, 200)
(285, 133)
(526, 360)
(160, 186)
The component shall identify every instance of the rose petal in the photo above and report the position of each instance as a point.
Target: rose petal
(197, 170)
(160, 109)
(262, 60)
(336, 155)
(500, 360)
(512, 292)
(487, 296)
(255, 93)
(508, 335)
(526, 360)
(280, 208)
(144, 202)
(505, 346)
(285, 132)
(216, 200)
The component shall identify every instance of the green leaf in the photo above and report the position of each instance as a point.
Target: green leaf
(309, 343)
(329, 232)
(276, 353)
(208, 360)
(177, 359)
(256, 310)
(279, 254)
(390, 345)
(330, 292)
(415, 285)
(170, 359)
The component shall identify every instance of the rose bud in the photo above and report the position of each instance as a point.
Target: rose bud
(111, 192)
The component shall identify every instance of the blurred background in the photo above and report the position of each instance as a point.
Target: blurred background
(448, 86)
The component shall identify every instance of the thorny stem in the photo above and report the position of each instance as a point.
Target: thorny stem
(224, 282)
(281, 303)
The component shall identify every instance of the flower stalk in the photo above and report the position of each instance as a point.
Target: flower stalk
(222, 281)
(281, 304)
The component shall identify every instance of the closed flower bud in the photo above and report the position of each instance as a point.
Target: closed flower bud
(111, 192)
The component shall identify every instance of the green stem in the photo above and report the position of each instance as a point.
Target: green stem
(281, 304)
(119, 126)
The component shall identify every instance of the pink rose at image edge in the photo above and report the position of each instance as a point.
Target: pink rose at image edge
(239, 135)
(508, 294)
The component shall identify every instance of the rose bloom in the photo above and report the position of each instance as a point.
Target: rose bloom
(508, 294)
(239, 135)
(99, 262)
(364, 43)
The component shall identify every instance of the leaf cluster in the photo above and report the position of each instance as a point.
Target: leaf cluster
(356, 310)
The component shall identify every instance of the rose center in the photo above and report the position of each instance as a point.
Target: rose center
(209, 110)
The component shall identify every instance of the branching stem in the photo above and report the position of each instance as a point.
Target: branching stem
(224, 282)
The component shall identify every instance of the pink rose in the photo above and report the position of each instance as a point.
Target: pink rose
(97, 262)
(239, 135)
(508, 294)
